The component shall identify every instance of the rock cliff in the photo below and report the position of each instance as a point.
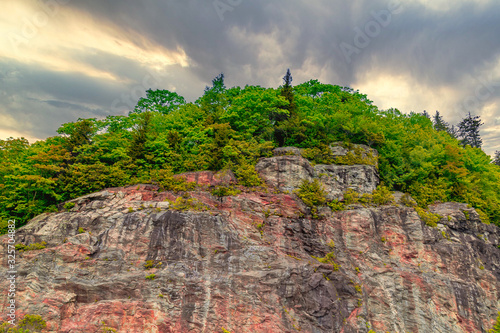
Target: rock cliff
(256, 261)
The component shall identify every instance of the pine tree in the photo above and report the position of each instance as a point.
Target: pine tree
(496, 159)
(137, 148)
(439, 123)
(426, 114)
(468, 131)
(287, 92)
(452, 131)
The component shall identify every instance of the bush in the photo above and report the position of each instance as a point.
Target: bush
(382, 196)
(69, 205)
(336, 205)
(351, 197)
(429, 218)
(184, 204)
(312, 193)
(223, 191)
(167, 182)
(35, 246)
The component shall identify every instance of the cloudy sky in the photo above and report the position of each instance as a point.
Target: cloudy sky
(61, 60)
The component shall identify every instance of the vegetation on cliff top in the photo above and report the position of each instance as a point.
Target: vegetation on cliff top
(231, 128)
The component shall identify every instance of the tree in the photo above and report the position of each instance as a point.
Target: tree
(137, 147)
(80, 133)
(214, 100)
(163, 101)
(287, 92)
(452, 131)
(426, 114)
(496, 159)
(439, 123)
(468, 131)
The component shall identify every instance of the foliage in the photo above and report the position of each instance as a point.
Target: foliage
(33, 323)
(468, 130)
(439, 123)
(382, 196)
(184, 203)
(162, 101)
(167, 182)
(496, 327)
(231, 128)
(150, 277)
(223, 191)
(336, 205)
(312, 193)
(29, 323)
(496, 159)
(69, 205)
(35, 246)
(429, 218)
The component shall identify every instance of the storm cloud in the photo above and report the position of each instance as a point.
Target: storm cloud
(65, 59)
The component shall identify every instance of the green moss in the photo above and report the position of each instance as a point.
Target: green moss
(81, 230)
(130, 210)
(224, 330)
(467, 214)
(151, 277)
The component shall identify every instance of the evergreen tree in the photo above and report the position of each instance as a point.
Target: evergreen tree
(287, 92)
(468, 131)
(496, 159)
(214, 100)
(426, 114)
(439, 123)
(137, 147)
(452, 131)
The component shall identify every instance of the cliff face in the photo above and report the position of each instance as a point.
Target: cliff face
(255, 262)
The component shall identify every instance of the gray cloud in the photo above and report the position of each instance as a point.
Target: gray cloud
(258, 40)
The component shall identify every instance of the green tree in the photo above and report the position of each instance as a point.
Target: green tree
(496, 159)
(468, 130)
(162, 101)
(439, 123)
(137, 148)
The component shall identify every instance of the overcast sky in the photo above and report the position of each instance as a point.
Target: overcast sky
(61, 60)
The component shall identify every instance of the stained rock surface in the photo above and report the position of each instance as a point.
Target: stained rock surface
(254, 262)
(287, 169)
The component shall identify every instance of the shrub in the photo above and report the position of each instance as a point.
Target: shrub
(336, 205)
(351, 197)
(312, 193)
(35, 246)
(382, 196)
(223, 191)
(69, 205)
(151, 277)
(429, 218)
(184, 204)
(33, 323)
(80, 230)
(167, 182)
(408, 201)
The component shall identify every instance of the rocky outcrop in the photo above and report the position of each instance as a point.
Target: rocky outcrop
(254, 262)
(287, 169)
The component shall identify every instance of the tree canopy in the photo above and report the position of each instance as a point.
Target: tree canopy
(231, 128)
